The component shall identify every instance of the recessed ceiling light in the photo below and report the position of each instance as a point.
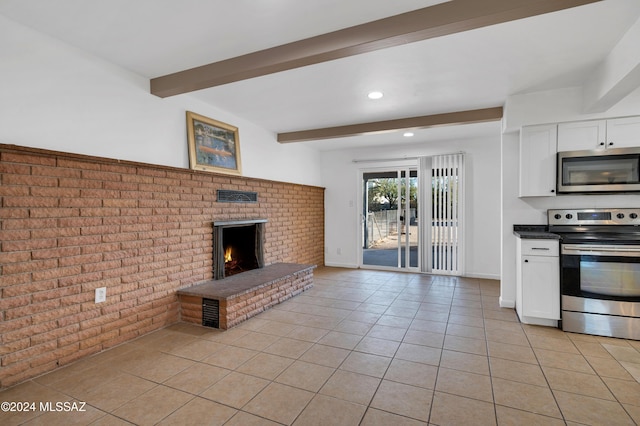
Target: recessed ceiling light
(375, 95)
(407, 134)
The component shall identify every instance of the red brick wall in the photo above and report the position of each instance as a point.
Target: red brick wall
(70, 224)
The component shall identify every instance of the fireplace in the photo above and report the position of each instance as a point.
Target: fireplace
(238, 246)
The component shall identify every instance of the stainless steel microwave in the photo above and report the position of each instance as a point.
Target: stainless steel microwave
(606, 170)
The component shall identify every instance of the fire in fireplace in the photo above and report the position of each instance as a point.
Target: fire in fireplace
(238, 246)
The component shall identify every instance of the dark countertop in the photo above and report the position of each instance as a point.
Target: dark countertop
(534, 232)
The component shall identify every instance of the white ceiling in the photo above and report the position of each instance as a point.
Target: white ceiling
(464, 71)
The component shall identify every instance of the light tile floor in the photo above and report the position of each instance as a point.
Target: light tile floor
(360, 348)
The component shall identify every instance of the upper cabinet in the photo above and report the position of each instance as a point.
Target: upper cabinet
(599, 134)
(538, 160)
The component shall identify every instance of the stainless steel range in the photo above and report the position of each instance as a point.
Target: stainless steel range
(599, 270)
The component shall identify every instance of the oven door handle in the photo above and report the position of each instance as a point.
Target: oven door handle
(601, 250)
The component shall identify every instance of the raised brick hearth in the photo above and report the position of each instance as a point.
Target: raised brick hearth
(243, 296)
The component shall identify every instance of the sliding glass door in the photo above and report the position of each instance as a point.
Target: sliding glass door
(390, 234)
(396, 201)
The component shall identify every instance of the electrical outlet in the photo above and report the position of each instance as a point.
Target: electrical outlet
(101, 294)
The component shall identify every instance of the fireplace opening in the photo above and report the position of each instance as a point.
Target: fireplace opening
(238, 247)
(239, 244)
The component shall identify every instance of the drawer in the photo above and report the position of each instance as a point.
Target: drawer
(540, 247)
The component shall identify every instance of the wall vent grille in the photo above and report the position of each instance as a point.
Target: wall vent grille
(228, 196)
(210, 313)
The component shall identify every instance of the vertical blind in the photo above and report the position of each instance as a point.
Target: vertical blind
(447, 213)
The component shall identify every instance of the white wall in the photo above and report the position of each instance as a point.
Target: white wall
(54, 96)
(340, 177)
(540, 108)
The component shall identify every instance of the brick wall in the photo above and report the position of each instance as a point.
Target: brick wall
(70, 224)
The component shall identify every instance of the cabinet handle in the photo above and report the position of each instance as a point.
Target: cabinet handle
(601, 143)
(526, 261)
(553, 190)
(539, 248)
(610, 143)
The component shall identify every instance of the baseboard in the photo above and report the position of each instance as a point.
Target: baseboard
(507, 303)
(340, 265)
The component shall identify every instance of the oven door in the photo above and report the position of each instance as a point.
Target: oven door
(600, 271)
(600, 286)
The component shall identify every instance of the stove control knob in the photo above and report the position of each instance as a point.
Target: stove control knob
(633, 215)
(620, 215)
(569, 216)
(557, 216)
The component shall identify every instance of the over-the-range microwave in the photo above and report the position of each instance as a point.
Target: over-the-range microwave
(606, 170)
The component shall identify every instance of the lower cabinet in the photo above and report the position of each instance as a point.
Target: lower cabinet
(538, 281)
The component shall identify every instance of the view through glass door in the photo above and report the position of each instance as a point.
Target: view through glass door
(390, 234)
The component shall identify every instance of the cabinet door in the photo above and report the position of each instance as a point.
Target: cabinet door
(623, 132)
(582, 135)
(541, 287)
(538, 161)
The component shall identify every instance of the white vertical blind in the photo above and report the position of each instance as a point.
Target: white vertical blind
(447, 185)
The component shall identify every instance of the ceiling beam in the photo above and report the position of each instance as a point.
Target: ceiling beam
(617, 76)
(426, 121)
(422, 24)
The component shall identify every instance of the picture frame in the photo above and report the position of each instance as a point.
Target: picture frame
(213, 145)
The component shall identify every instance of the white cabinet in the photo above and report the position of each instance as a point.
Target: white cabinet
(599, 134)
(623, 132)
(582, 135)
(538, 281)
(538, 161)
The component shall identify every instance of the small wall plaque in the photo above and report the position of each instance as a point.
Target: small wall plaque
(228, 196)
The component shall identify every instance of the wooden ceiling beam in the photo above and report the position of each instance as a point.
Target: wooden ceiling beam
(426, 121)
(422, 24)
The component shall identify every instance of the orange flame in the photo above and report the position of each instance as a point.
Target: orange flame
(227, 255)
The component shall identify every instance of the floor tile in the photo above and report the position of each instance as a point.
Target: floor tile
(466, 362)
(196, 378)
(245, 419)
(230, 357)
(340, 340)
(404, 400)
(354, 387)
(235, 389)
(599, 412)
(462, 383)
(279, 403)
(362, 347)
(512, 352)
(375, 417)
(535, 399)
(457, 410)
(325, 355)
(305, 375)
(116, 393)
(265, 366)
(576, 382)
(153, 406)
(563, 360)
(199, 411)
(372, 365)
(511, 417)
(412, 373)
(608, 367)
(517, 371)
(465, 344)
(372, 345)
(324, 410)
(625, 391)
(419, 353)
(425, 338)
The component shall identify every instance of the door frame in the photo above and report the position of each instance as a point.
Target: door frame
(404, 166)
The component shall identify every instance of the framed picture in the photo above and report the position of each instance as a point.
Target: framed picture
(213, 145)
